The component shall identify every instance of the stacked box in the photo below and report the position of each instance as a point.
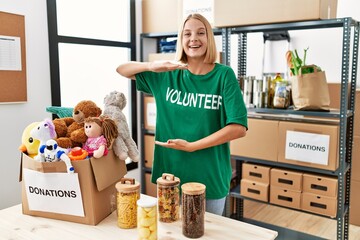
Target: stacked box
(320, 195)
(285, 188)
(255, 181)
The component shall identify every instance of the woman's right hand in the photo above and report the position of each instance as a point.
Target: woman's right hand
(164, 66)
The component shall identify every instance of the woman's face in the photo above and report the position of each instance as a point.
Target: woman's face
(194, 39)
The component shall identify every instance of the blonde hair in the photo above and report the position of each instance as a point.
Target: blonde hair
(108, 127)
(211, 53)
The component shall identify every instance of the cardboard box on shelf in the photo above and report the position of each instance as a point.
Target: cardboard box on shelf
(227, 13)
(355, 203)
(285, 197)
(257, 173)
(323, 205)
(150, 188)
(161, 56)
(261, 140)
(320, 185)
(149, 113)
(286, 179)
(335, 95)
(355, 162)
(149, 145)
(160, 16)
(87, 196)
(255, 190)
(310, 145)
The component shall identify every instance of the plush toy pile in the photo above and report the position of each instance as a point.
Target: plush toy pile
(88, 133)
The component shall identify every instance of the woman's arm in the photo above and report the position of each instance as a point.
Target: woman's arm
(130, 69)
(226, 134)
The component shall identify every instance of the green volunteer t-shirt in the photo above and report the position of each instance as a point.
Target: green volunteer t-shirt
(191, 107)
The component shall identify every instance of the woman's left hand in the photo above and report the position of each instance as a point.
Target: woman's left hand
(178, 144)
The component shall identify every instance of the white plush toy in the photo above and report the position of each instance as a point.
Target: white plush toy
(124, 146)
(51, 152)
(44, 131)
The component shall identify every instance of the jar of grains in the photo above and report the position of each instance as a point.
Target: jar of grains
(168, 197)
(193, 209)
(128, 192)
(147, 218)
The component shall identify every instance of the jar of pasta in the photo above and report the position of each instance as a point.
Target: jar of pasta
(147, 218)
(168, 197)
(193, 209)
(128, 192)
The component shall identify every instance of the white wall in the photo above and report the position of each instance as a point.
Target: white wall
(15, 117)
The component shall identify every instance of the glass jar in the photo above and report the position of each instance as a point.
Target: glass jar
(128, 192)
(147, 218)
(168, 197)
(193, 209)
(282, 95)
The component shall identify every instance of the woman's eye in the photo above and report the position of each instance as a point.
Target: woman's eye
(186, 34)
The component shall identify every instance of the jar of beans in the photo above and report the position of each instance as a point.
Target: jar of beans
(193, 209)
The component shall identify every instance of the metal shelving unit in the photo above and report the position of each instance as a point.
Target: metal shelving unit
(345, 116)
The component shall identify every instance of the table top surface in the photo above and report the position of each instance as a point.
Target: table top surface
(15, 225)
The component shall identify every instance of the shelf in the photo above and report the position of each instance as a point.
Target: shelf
(235, 192)
(291, 166)
(289, 112)
(329, 23)
(149, 132)
(216, 31)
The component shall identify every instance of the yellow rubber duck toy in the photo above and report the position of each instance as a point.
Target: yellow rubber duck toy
(29, 145)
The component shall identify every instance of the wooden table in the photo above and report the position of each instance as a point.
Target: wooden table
(15, 225)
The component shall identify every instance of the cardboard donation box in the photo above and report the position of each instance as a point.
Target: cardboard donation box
(86, 196)
(310, 145)
(225, 13)
(261, 140)
(160, 16)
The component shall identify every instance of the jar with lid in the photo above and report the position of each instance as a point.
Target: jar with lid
(147, 218)
(193, 209)
(168, 197)
(128, 192)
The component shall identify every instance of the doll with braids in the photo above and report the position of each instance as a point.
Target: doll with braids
(101, 131)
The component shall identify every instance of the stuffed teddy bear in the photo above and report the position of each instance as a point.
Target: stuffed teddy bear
(75, 133)
(101, 131)
(124, 146)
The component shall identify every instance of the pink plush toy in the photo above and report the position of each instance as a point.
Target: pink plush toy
(101, 131)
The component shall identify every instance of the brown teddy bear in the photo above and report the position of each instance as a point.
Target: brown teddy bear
(75, 134)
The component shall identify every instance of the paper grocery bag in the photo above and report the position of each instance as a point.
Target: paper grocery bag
(310, 92)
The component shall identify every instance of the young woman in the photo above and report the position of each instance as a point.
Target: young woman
(199, 110)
